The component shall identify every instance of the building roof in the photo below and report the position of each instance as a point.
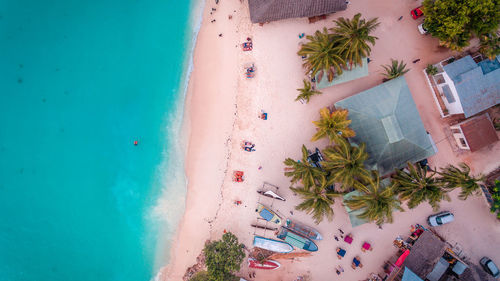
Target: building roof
(479, 132)
(271, 10)
(386, 119)
(357, 71)
(424, 254)
(477, 84)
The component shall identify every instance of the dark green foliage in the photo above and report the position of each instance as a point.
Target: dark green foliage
(317, 200)
(376, 201)
(490, 45)
(303, 171)
(200, 276)
(307, 92)
(223, 257)
(459, 177)
(454, 21)
(431, 69)
(345, 164)
(354, 37)
(417, 185)
(395, 69)
(495, 195)
(329, 53)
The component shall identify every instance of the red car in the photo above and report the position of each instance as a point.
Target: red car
(416, 13)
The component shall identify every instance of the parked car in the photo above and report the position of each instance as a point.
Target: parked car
(440, 218)
(417, 12)
(422, 29)
(490, 267)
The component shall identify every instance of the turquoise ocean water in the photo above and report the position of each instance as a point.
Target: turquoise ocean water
(79, 82)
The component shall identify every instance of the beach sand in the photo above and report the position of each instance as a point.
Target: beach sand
(222, 108)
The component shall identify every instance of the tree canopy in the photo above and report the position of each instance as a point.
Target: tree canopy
(454, 21)
(223, 257)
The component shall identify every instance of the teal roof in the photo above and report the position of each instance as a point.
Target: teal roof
(409, 275)
(356, 72)
(386, 119)
(477, 84)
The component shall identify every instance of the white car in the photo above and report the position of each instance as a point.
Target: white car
(440, 218)
(422, 29)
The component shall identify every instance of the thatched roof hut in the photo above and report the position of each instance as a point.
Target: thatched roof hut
(262, 11)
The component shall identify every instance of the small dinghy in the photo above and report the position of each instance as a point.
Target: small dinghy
(271, 194)
(267, 264)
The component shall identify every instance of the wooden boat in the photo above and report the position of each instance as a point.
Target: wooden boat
(268, 214)
(272, 245)
(267, 264)
(271, 194)
(264, 227)
(297, 240)
(303, 230)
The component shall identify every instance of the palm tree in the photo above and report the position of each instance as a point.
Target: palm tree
(303, 170)
(333, 125)
(490, 45)
(453, 177)
(307, 92)
(322, 55)
(354, 37)
(395, 69)
(345, 163)
(317, 200)
(417, 185)
(375, 202)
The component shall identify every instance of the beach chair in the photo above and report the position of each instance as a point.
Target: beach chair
(348, 238)
(340, 253)
(366, 247)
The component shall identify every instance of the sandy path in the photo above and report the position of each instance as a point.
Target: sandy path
(222, 109)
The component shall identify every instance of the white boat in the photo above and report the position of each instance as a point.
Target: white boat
(271, 194)
(272, 245)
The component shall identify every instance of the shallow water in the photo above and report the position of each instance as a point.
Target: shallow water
(79, 82)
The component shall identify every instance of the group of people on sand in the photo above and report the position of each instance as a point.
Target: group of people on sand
(356, 261)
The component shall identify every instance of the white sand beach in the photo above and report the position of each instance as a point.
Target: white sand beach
(223, 107)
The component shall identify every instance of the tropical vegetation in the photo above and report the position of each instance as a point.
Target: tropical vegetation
(376, 200)
(345, 164)
(395, 69)
(490, 45)
(459, 177)
(303, 171)
(454, 22)
(417, 185)
(223, 257)
(495, 196)
(353, 37)
(333, 125)
(431, 69)
(322, 55)
(307, 92)
(317, 200)
(330, 53)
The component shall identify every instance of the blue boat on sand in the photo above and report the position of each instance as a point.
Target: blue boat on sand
(272, 245)
(297, 240)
